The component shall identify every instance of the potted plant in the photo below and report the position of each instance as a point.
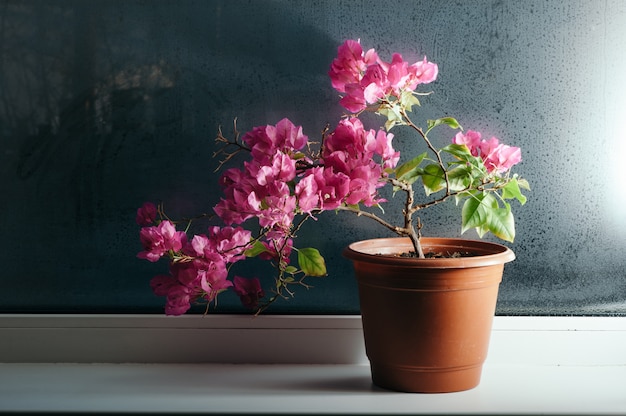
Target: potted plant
(288, 179)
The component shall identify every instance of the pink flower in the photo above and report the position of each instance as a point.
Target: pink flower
(161, 284)
(158, 240)
(213, 277)
(282, 168)
(240, 201)
(273, 245)
(201, 278)
(289, 136)
(384, 148)
(262, 188)
(307, 193)
(471, 139)
(332, 187)
(488, 146)
(354, 101)
(265, 141)
(508, 156)
(173, 240)
(349, 151)
(229, 211)
(199, 243)
(361, 76)
(261, 141)
(146, 215)
(249, 291)
(230, 242)
(262, 192)
(322, 188)
(366, 79)
(498, 157)
(336, 188)
(204, 277)
(152, 242)
(178, 299)
(364, 180)
(422, 72)
(186, 273)
(349, 173)
(280, 207)
(231, 177)
(350, 137)
(374, 83)
(350, 64)
(398, 73)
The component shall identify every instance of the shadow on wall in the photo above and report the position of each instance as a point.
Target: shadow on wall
(106, 104)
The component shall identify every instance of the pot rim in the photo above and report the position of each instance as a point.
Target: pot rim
(381, 250)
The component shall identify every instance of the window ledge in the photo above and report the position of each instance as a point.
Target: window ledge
(292, 364)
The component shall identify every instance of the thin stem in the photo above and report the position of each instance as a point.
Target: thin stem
(227, 144)
(432, 148)
(408, 230)
(409, 209)
(358, 212)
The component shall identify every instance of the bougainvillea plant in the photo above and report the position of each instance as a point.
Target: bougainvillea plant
(288, 179)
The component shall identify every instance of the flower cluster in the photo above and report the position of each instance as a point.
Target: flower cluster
(198, 269)
(287, 179)
(352, 167)
(348, 170)
(366, 79)
(496, 156)
(261, 188)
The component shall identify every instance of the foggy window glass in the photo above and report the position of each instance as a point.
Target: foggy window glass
(107, 104)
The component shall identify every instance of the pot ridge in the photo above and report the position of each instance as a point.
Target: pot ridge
(385, 250)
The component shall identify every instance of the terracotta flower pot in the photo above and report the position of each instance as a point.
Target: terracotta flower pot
(427, 322)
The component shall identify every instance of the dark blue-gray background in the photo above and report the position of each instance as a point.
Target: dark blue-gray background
(106, 104)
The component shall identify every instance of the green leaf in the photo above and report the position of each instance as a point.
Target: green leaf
(408, 100)
(291, 269)
(433, 179)
(256, 249)
(482, 231)
(410, 166)
(450, 121)
(463, 195)
(393, 114)
(483, 213)
(502, 223)
(475, 211)
(463, 154)
(511, 190)
(311, 262)
(460, 151)
(460, 178)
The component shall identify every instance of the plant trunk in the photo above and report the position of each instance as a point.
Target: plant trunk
(417, 245)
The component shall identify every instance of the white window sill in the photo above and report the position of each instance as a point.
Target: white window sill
(291, 365)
